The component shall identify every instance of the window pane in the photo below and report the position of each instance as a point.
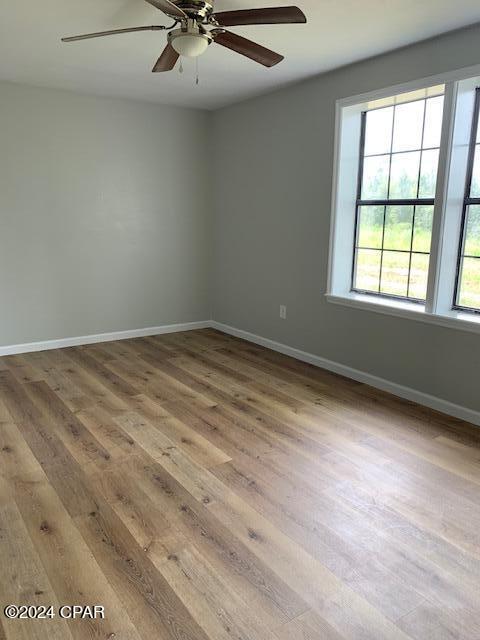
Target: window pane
(378, 132)
(370, 227)
(407, 130)
(475, 190)
(395, 273)
(418, 94)
(428, 174)
(368, 270)
(375, 178)
(470, 283)
(422, 233)
(433, 122)
(472, 231)
(404, 175)
(400, 162)
(418, 276)
(398, 228)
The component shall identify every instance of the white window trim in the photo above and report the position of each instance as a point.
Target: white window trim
(437, 309)
(411, 311)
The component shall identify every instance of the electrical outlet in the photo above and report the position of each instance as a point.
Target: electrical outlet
(283, 312)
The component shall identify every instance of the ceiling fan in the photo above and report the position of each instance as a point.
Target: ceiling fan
(192, 37)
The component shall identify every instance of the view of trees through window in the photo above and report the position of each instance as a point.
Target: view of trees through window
(397, 182)
(468, 289)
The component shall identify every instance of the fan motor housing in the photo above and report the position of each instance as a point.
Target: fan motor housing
(196, 8)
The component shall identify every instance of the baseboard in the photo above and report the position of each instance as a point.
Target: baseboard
(28, 347)
(433, 402)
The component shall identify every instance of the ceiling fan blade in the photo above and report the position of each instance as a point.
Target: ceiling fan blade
(271, 15)
(113, 32)
(247, 48)
(167, 60)
(168, 7)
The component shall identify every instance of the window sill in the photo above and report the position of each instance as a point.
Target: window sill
(454, 320)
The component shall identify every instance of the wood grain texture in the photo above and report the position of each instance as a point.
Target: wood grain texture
(204, 488)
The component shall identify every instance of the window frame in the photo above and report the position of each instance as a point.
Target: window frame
(467, 202)
(437, 309)
(385, 202)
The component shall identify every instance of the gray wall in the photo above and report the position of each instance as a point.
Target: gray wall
(273, 177)
(104, 217)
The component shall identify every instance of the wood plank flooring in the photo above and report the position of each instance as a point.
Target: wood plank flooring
(200, 487)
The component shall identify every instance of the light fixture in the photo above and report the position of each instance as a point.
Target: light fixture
(191, 42)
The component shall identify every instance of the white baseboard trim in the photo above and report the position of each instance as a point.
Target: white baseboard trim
(407, 393)
(46, 345)
(433, 402)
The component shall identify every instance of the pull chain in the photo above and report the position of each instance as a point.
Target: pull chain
(197, 74)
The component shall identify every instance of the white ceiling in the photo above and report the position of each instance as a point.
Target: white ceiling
(338, 32)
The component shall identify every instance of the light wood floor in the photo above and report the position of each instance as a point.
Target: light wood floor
(200, 487)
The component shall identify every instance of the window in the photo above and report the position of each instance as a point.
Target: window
(405, 235)
(398, 162)
(467, 290)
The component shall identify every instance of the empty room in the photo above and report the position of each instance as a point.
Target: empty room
(240, 320)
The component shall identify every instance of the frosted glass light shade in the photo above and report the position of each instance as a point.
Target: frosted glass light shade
(190, 45)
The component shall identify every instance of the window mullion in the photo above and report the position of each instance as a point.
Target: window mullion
(431, 302)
